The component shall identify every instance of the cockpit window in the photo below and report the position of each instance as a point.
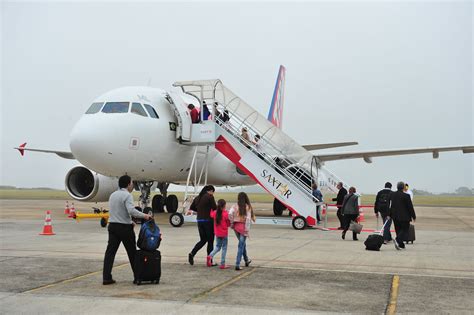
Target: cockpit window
(151, 111)
(95, 108)
(138, 109)
(115, 107)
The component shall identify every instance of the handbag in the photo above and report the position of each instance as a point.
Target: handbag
(355, 227)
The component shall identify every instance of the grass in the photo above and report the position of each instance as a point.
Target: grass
(38, 194)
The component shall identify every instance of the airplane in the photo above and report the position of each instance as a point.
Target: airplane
(146, 132)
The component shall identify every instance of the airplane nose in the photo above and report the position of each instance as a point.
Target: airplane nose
(85, 139)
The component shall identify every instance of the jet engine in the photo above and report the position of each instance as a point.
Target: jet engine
(84, 185)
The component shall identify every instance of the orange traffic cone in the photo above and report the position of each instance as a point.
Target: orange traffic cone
(66, 210)
(361, 216)
(47, 228)
(72, 212)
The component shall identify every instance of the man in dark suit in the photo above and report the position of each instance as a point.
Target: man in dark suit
(402, 212)
(339, 200)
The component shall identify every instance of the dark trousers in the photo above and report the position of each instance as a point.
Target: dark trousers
(387, 236)
(340, 217)
(401, 228)
(206, 235)
(347, 218)
(119, 233)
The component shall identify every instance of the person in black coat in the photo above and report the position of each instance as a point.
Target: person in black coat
(401, 212)
(339, 200)
(382, 207)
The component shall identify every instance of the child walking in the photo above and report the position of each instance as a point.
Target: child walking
(221, 225)
(241, 217)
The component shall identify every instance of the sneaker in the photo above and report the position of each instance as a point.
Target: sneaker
(107, 282)
(385, 242)
(247, 263)
(213, 264)
(209, 261)
(238, 268)
(224, 267)
(191, 259)
(355, 239)
(396, 245)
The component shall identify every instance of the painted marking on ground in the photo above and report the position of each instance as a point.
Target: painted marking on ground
(202, 295)
(392, 303)
(69, 280)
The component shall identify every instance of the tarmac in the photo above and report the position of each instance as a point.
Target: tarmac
(292, 272)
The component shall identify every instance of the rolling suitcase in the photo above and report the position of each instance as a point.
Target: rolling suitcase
(411, 234)
(375, 241)
(147, 266)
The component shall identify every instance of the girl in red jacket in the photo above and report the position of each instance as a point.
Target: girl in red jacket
(221, 226)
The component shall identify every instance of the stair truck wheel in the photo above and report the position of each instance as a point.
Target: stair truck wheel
(176, 219)
(278, 207)
(157, 204)
(172, 203)
(299, 223)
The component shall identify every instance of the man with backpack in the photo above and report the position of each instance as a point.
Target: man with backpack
(382, 206)
(121, 226)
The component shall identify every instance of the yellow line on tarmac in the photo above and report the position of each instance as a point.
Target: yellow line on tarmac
(222, 285)
(69, 280)
(392, 304)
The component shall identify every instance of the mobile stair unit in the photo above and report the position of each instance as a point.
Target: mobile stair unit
(276, 162)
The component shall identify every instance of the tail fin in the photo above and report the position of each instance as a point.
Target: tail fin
(275, 114)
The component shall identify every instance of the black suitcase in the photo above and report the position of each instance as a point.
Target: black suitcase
(147, 266)
(411, 234)
(373, 242)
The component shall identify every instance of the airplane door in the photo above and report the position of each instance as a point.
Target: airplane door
(180, 108)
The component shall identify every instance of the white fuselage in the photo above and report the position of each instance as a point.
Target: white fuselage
(146, 148)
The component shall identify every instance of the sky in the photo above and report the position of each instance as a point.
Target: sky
(386, 74)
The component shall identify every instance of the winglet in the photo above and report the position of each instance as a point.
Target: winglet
(275, 114)
(21, 149)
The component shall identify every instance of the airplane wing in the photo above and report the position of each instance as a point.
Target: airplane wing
(63, 154)
(320, 146)
(368, 155)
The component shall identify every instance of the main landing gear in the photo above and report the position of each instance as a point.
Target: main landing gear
(159, 201)
(278, 208)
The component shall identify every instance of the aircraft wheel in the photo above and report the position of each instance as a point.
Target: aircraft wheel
(176, 219)
(103, 222)
(278, 207)
(172, 203)
(157, 204)
(299, 223)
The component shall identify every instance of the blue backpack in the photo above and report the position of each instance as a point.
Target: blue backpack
(149, 238)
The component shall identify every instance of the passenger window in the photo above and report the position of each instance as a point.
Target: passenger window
(138, 109)
(151, 111)
(115, 107)
(95, 108)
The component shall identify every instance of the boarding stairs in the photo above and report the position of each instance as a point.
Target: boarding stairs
(276, 162)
